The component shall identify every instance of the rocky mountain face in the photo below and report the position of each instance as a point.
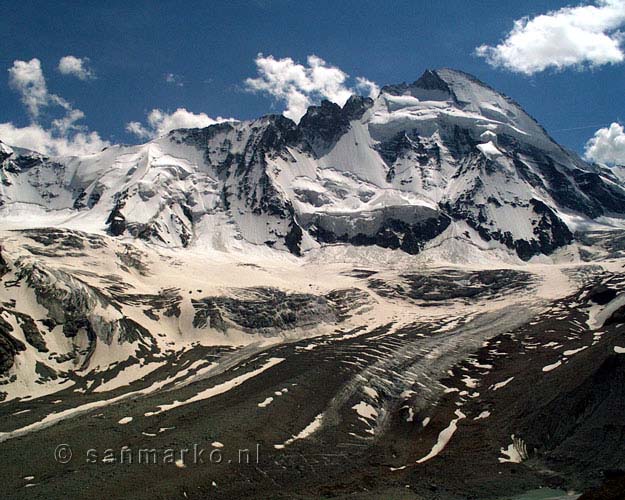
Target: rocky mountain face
(424, 162)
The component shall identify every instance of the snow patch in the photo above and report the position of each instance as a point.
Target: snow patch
(365, 410)
(500, 385)
(443, 438)
(553, 366)
(574, 351)
(310, 429)
(515, 453)
(372, 393)
(265, 403)
(218, 389)
(489, 150)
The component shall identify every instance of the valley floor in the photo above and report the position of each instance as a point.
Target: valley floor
(328, 377)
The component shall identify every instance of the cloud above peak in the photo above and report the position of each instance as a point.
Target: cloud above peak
(48, 141)
(76, 66)
(299, 86)
(62, 135)
(160, 122)
(582, 36)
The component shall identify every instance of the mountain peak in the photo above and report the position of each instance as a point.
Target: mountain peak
(451, 94)
(445, 153)
(452, 84)
(431, 80)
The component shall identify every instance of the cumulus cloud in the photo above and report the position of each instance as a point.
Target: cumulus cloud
(582, 36)
(62, 135)
(299, 86)
(367, 87)
(27, 78)
(49, 142)
(160, 122)
(607, 146)
(75, 66)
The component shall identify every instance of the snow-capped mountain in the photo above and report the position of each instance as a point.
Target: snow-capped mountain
(444, 157)
(391, 281)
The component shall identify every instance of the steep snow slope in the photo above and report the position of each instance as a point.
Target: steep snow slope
(418, 162)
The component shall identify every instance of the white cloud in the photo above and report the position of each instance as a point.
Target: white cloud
(583, 36)
(67, 123)
(159, 122)
(174, 79)
(607, 146)
(367, 86)
(63, 136)
(27, 78)
(48, 142)
(75, 66)
(299, 86)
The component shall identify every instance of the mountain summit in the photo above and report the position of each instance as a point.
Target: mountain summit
(443, 162)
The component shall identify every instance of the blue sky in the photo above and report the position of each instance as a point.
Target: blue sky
(197, 55)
